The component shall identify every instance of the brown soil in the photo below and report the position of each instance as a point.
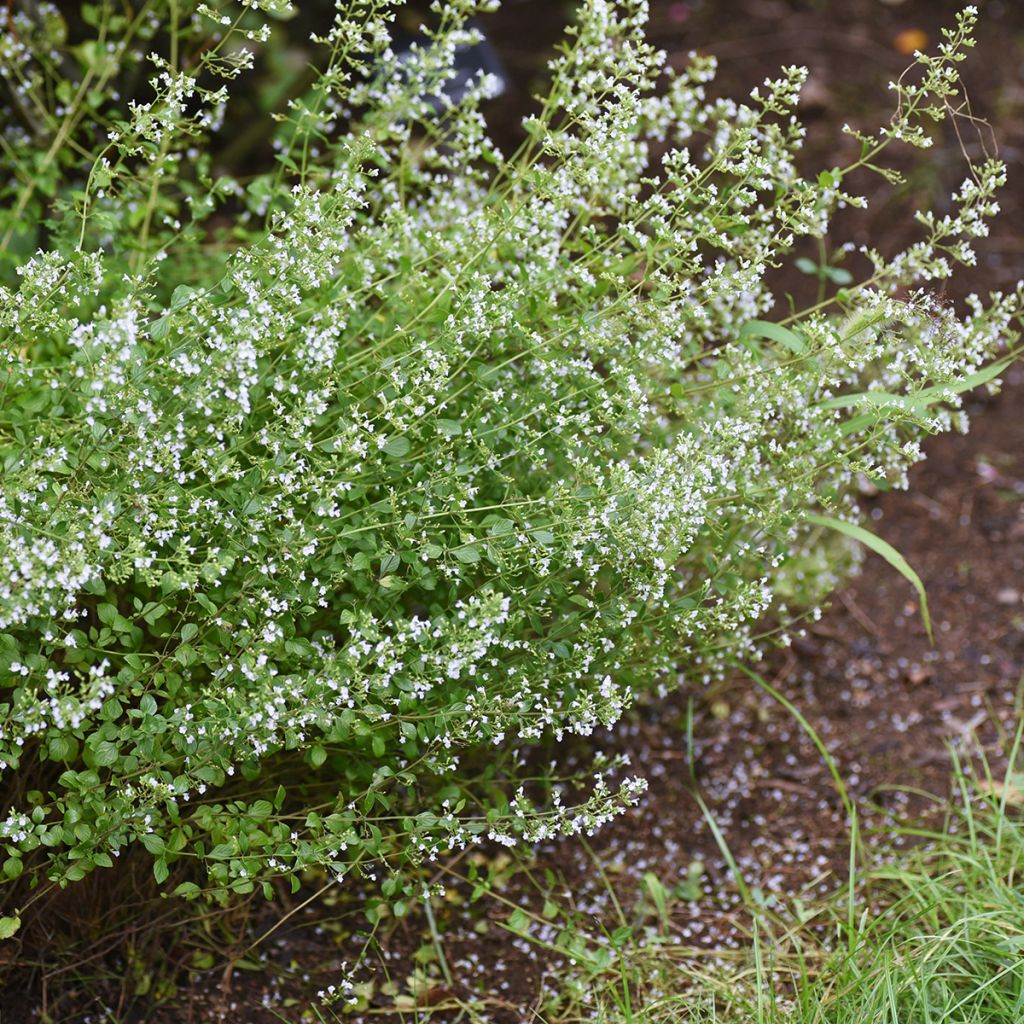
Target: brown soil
(885, 701)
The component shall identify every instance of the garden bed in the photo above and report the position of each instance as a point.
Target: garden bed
(885, 701)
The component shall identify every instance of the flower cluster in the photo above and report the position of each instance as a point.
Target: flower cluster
(313, 525)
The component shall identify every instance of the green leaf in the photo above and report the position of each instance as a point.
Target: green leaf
(160, 870)
(398, 447)
(937, 392)
(105, 754)
(153, 843)
(838, 275)
(518, 921)
(185, 654)
(775, 332)
(189, 630)
(261, 809)
(159, 329)
(59, 748)
(501, 528)
(829, 179)
(469, 554)
(873, 400)
(916, 403)
(8, 926)
(887, 551)
(450, 428)
(181, 295)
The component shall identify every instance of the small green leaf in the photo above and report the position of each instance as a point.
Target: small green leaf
(450, 428)
(160, 870)
(518, 921)
(829, 179)
(153, 843)
(838, 275)
(261, 809)
(398, 447)
(181, 295)
(105, 754)
(467, 554)
(185, 654)
(887, 551)
(8, 926)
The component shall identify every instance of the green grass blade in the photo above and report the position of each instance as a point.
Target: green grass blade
(887, 551)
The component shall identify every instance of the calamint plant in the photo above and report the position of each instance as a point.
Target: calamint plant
(332, 487)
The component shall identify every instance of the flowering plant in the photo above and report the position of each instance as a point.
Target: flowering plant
(319, 482)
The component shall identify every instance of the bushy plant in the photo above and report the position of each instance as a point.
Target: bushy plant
(330, 488)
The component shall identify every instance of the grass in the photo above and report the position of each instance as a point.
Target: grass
(928, 934)
(947, 945)
(928, 928)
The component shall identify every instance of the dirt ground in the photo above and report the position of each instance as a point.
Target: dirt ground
(885, 701)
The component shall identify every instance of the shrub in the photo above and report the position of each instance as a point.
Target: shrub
(331, 487)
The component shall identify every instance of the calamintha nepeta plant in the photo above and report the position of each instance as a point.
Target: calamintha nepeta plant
(320, 481)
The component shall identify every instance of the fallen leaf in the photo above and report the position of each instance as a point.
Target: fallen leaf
(1011, 791)
(910, 40)
(918, 674)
